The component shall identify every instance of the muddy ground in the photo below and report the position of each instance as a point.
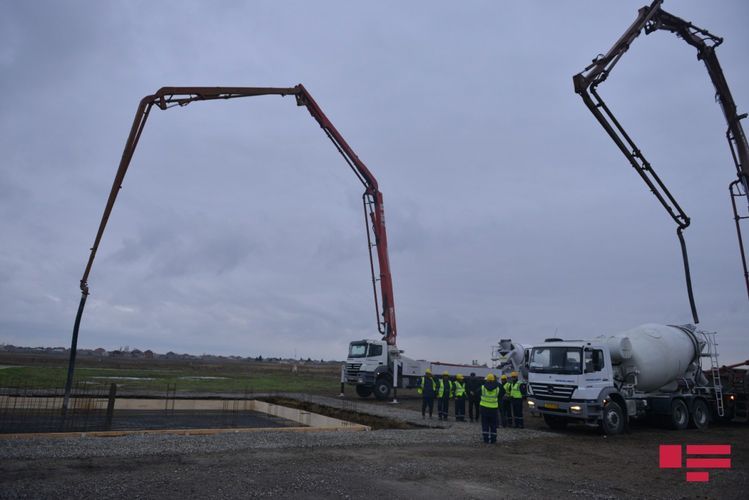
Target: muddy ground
(579, 463)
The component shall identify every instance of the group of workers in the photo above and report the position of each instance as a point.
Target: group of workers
(493, 403)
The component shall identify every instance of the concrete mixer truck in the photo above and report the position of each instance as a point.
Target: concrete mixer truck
(650, 370)
(508, 357)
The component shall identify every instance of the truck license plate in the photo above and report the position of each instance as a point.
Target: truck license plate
(551, 406)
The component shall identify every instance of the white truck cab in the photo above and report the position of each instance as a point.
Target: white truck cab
(569, 380)
(367, 362)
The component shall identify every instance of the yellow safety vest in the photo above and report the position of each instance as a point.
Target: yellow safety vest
(441, 390)
(515, 390)
(423, 379)
(489, 399)
(460, 389)
(507, 387)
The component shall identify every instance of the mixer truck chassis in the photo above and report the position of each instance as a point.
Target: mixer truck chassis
(612, 412)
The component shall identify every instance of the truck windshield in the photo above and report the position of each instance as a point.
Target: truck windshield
(357, 350)
(564, 360)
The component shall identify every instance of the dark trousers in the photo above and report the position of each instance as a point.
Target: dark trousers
(505, 413)
(489, 420)
(517, 412)
(443, 407)
(427, 402)
(460, 409)
(473, 408)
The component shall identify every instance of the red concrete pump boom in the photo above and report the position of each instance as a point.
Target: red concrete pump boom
(652, 18)
(167, 97)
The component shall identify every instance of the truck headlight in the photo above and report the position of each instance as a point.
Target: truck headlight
(531, 404)
(576, 409)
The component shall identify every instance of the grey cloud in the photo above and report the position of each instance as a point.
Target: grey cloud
(239, 228)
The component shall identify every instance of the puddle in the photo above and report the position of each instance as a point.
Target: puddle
(125, 378)
(202, 378)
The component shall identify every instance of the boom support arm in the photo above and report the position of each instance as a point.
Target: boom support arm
(168, 97)
(653, 18)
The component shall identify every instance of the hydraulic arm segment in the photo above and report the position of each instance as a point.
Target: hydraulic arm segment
(168, 97)
(650, 19)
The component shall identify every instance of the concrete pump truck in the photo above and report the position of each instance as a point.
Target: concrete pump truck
(652, 370)
(168, 97)
(651, 19)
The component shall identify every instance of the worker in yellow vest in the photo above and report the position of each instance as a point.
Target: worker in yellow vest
(505, 404)
(516, 396)
(489, 408)
(460, 398)
(444, 393)
(427, 389)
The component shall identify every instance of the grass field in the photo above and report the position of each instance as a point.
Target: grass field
(231, 378)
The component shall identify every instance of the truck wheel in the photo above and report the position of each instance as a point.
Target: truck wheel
(363, 391)
(700, 417)
(382, 388)
(613, 419)
(679, 415)
(555, 422)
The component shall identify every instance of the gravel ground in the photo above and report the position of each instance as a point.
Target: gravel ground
(448, 462)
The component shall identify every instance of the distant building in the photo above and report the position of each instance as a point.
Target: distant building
(148, 354)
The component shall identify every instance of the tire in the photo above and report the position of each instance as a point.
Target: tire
(700, 416)
(382, 388)
(555, 422)
(612, 421)
(679, 415)
(363, 391)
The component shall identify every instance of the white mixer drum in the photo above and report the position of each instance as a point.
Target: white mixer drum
(660, 353)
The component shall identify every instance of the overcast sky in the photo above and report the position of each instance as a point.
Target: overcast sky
(239, 228)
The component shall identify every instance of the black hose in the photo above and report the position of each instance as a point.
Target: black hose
(687, 275)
